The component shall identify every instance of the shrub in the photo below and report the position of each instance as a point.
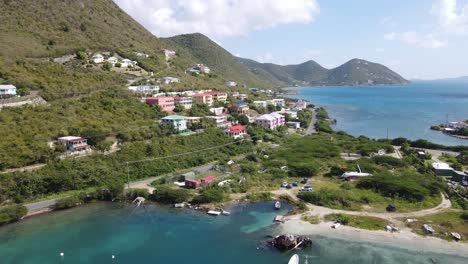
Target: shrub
(12, 213)
(387, 160)
(210, 195)
(256, 197)
(133, 193)
(464, 216)
(68, 202)
(166, 195)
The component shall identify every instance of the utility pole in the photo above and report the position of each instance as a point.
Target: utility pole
(128, 176)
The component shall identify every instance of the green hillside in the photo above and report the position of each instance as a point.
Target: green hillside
(354, 72)
(200, 49)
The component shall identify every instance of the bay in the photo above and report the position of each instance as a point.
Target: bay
(405, 110)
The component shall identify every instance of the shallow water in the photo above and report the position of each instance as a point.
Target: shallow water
(405, 110)
(94, 233)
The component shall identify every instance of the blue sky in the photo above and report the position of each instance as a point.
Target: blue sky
(425, 39)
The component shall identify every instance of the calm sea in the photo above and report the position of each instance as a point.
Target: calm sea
(406, 110)
(94, 233)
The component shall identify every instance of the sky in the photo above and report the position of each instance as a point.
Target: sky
(420, 39)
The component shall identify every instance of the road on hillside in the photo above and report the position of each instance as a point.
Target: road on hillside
(311, 129)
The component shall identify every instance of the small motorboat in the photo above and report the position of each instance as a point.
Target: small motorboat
(294, 259)
(456, 236)
(277, 205)
(215, 213)
(428, 229)
(336, 225)
(225, 212)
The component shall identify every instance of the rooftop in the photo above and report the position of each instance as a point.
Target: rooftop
(236, 128)
(174, 117)
(441, 166)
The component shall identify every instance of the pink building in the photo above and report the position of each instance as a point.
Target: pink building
(207, 180)
(165, 102)
(203, 99)
(271, 121)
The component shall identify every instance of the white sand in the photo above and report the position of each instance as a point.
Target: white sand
(404, 239)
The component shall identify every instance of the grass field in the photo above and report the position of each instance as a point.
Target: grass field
(363, 222)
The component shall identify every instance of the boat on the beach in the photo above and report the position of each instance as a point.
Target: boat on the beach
(336, 225)
(294, 259)
(457, 236)
(428, 228)
(277, 205)
(392, 228)
(215, 213)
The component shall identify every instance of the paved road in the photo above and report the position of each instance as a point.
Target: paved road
(42, 205)
(311, 128)
(436, 154)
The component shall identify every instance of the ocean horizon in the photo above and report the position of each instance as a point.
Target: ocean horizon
(403, 110)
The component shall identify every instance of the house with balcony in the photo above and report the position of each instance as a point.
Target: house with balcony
(217, 110)
(242, 96)
(260, 104)
(168, 80)
(165, 102)
(239, 107)
(218, 96)
(147, 89)
(7, 90)
(97, 58)
(236, 132)
(276, 102)
(177, 121)
(74, 144)
(203, 98)
(270, 121)
(220, 121)
(184, 101)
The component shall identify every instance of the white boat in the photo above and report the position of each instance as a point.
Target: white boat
(336, 225)
(456, 236)
(225, 212)
(294, 259)
(428, 228)
(277, 205)
(216, 213)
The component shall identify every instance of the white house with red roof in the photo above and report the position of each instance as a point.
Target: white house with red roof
(236, 131)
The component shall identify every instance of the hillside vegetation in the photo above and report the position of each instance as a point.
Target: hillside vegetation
(353, 72)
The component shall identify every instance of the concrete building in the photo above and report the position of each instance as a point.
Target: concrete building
(236, 132)
(276, 102)
(270, 121)
(221, 121)
(165, 102)
(203, 98)
(7, 89)
(177, 121)
(184, 101)
(260, 104)
(74, 144)
(147, 89)
(217, 110)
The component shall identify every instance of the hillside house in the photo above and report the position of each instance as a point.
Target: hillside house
(237, 131)
(234, 94)
(203, 98)
(457, 125)
(176, 121)
(270, 121)
(260, 104)
(147, 89)
(169, 54)
(184, 101)
(230, 83)
(217, 110)
(168, 80)
(292, 114)
(442, 169)
(218, 96)
(293, 125)
(221, 121)
(202, 68)
(165, 102)
(142, 55)
(7, 89)
(298, 106)
(192, 184)
(126, 63)
(239, 107)
(192, 119)
(74, 144)
(242, 96)
(97, 58)
(112, 60)
(354, 176)
(276, 102)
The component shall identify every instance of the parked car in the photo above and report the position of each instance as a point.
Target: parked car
(304, 181)
(289, 186)
(284, 184)
(306, 188)
(295, 184)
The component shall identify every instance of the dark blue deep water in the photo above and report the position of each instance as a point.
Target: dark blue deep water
(405, 110)
(94, 233)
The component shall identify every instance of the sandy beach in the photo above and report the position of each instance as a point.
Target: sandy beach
(404, 239)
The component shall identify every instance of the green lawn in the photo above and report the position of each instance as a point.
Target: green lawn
(362, 222)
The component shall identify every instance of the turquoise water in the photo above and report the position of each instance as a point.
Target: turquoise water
(94, 233)
(406, 110)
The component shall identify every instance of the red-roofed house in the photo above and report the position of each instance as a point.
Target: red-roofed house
(165, 102)
(237, 131)
(192, 184)
(207, 180)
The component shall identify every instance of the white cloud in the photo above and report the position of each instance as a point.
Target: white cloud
(431, 41)
(218, 18)
(380, 50)
(264, 58)
(452, 16)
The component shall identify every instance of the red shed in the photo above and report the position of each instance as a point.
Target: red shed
(207, 180)
(192, 184)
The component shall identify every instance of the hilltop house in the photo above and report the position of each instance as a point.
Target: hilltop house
(165, 102)
(126, 63)
(236, 132)
(230, 83)
(260, 104)
(7, 89)
(239, 107)
(203, 98)
(184, 101)
(145, 89)
(74, 144)
(168, 80)
(176, 121)
(97, 58)
(276, 102)
(270, 121)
